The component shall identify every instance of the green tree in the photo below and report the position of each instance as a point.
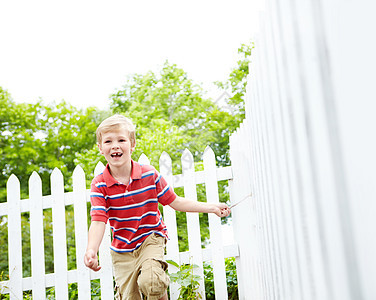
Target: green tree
(237, 82)
(18, 149)
(225, 123)
(38, 137)
(167, 105)
(66, 131)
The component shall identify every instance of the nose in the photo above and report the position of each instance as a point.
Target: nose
(115, 145)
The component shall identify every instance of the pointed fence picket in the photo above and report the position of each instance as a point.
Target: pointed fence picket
(14, 238)
(169, 216)
(36, 237)
(219, 270)
(143, 159)
(193, 223)
(79, 198)
(106, 280)
(59, 235)
(80, 226)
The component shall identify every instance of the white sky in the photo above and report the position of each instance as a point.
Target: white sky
(82, 51)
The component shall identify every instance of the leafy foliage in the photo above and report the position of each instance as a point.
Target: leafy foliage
(38, 137)
(237, 82)
(169, 110)
(189, 283)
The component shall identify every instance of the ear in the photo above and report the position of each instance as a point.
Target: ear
(100, 148)
(133, 147)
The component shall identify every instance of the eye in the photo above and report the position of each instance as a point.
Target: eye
(107, 141)
(122, 140)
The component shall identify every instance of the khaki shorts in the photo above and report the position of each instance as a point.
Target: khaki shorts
(141, 271)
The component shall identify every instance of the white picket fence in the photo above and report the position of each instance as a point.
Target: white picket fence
(61, 277)
(307, 153)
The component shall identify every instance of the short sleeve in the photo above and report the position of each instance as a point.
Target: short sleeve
(165, 193)
(98, 210)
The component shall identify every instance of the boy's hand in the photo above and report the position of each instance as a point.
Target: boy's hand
(222, 210)
(183, 204)
(91, 260)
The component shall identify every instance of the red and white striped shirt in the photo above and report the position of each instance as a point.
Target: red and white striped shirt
(132, 209)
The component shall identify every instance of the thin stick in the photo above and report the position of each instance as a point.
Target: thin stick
(236, 203)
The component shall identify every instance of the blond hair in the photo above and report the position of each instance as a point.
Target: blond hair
(117, 122)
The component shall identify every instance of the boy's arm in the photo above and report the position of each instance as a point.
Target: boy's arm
(96, 232)
(183, 204)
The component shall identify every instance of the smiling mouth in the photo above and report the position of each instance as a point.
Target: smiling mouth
(117, 155)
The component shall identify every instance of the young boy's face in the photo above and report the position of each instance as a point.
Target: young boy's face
(116, 147)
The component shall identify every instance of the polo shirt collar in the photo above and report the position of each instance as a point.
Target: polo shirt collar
(135, 174)
(136, 170)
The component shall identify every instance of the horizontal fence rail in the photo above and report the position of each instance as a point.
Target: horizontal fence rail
(78, 198)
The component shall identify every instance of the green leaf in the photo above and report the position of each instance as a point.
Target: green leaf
(171, 262)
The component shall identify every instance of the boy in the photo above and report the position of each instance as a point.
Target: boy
(127, 195)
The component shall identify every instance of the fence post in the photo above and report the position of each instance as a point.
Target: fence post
(37, 237)
(169, 216)
(211, 185)
(193, 222)
(59, 235)
(80, 226)
(14, 238)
